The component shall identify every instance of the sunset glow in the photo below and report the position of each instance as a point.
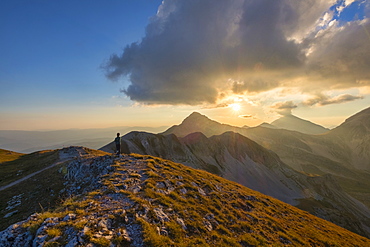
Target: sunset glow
(153, 62)
(236, 107)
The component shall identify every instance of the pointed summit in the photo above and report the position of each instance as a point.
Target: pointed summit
(196, 117)
(197, 122)
(291, 122)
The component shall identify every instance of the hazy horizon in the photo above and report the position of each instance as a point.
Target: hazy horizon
(150, 63)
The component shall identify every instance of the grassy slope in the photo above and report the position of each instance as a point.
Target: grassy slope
(36, 194)
(6, 155)
(215, 211)
(26, 164)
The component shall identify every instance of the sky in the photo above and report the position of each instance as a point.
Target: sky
(94, 64)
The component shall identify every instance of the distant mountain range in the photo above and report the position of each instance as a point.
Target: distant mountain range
(197, 122)
(330, 172)
(31, 141)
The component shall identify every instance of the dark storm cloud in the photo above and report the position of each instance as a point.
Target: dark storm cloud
(192, 48)
(198, 52)
(257, 84)
(342, 55)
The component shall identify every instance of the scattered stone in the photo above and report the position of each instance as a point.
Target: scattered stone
(181, 223)
(136, 189)
(201, 191)
(73, 242)
(135, 234)
(209, 216)
(183, 191)
(162, 192)
(39, 240)
(103, 224)
(14, 202)
(178, 183)
(208, 225)
(250, 198)
(55, 239)
(10, 214)
(160, 185)
(161, 215)
(194, 184)
(163, 231)
(123, 233)
(85, 231)
(69, 217)
(219, 188)
(285, 241)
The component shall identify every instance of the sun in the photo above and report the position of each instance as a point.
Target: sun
(235, 106)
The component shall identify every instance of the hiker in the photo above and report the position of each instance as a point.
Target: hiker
(117, 140)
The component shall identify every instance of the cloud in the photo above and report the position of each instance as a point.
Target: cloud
(246, 116)
(284, 105)
(201, 52)
(284, 108)
(340, 59)
(322, 100)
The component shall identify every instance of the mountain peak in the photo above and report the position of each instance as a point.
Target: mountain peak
(196, 116)
(291, 122)
(147, 201)
(197, 122)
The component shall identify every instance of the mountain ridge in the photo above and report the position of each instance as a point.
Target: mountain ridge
(32, 141)
(237, 158)
(294, 123)
(137, 200)
(197, 122)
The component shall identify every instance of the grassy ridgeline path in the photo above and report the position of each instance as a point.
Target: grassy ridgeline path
(30, 175)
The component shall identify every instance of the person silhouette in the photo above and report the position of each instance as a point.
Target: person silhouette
(117, 141)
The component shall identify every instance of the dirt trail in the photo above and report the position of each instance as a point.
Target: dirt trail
(129, 164)
(30, 175)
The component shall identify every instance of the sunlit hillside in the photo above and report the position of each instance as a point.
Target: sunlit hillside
(137, 200)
